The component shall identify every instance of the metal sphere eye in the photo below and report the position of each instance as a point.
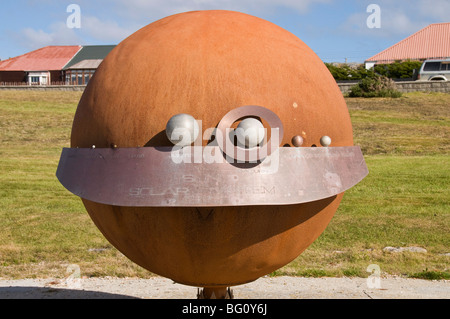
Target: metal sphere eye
(182, 129)
(248, 154)
(250, 132)
(297, 141)
(325, 141)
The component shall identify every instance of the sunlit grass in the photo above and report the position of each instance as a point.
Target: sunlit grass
(404, 200)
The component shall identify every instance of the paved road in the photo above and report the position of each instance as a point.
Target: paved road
(263, 288)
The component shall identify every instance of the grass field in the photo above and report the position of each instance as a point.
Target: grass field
(404, 201)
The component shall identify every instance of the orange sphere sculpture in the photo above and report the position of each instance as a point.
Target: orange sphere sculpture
(205, 64)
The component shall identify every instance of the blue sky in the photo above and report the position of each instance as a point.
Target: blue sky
(335, 29)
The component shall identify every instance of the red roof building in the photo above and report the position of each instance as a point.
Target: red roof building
(44, 59)
(432, 42)
(42, 66)
(70, 64)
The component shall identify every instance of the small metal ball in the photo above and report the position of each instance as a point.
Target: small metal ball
(182, 129)
(297, 141)
(325, 141)
(250, 132)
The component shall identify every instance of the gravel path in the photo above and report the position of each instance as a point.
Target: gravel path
(263, 288)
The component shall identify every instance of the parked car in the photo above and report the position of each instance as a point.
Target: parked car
(434, 70)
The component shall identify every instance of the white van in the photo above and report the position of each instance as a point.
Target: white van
(434, 70)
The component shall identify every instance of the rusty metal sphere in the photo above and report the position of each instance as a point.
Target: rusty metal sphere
(182, 129)
(205, 64)
(325, 141)
(297, 141)
(250, 132)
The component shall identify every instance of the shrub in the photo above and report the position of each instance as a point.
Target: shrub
(398, 70)
(375, 86)
(345, 72)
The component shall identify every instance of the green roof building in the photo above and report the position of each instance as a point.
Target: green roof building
(80, 69)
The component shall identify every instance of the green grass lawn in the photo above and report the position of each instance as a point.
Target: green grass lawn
(403, 202)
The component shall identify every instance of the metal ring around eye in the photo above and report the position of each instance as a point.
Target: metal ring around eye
(255, 153)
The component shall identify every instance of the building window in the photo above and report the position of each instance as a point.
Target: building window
(38, 78)
(78, 77)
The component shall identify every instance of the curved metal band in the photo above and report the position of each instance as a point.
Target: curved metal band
(159, 177)
(255, 153)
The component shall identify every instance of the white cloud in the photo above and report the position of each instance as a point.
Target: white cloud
(113, 20)
(399, 18)
(300, 6)
(141, 9)
(92, 29)
(58, 34)
(123, 17)
(105, 31)
(399, 23)
(36, 38)
(437, 9)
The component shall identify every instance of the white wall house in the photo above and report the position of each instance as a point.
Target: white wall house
(39, 78)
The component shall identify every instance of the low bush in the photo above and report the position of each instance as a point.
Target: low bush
(376, 86)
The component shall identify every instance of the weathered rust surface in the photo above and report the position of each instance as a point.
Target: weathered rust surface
(155, 177)
(206, 64)
(213, 246)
